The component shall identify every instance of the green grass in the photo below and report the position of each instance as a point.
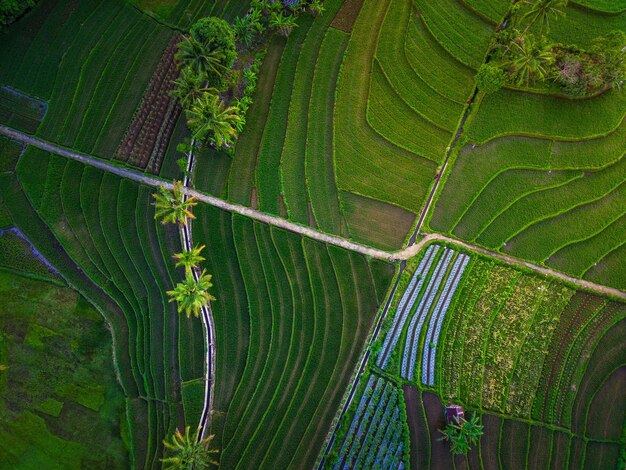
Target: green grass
(445, 74)
(608, 6)
(365, 163)
(368, 219)
(413, 90)
(462, 33)
(319, 167)
(281, 371)
(40, 426)
(610, 269)
(520, 113)
(494, 11)
(293, 158)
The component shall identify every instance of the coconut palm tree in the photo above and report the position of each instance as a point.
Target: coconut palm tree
(284, 23)
(202, 61)
(542, 11)
(209, 119)
(189, 452)
(173, 206)
(316, 7)
(192, 295)
(462, 435)
(529, 60)
(188, 87)
(190, 259)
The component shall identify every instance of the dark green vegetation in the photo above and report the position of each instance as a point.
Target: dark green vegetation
(291, 319)
(60, 403)
(541, 176)
(539, 361)
(324, 136)
(90, 61)
(99, 232)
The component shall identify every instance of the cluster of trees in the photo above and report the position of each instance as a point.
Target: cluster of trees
(10, 10)
(188, 452)
(522, 57)
(204, 58)
(462, 434)
(192, 293)
(272, 15)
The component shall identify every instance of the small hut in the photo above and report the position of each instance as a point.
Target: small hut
(454, 413)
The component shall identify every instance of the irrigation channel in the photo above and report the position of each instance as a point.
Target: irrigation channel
(208, 326)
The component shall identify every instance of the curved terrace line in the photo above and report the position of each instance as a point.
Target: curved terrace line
(402, 255)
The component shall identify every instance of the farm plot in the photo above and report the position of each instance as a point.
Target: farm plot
(106, 227)
(280, 370)
(376, 433)
(58, 53)
(148, 135)
(552, 202)
(20, 111)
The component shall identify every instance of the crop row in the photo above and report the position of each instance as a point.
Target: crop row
(106, 228)
(433, 64)
(280, 372)
(415, 327)
(294, 149)
(365, 162)
(146, 139)
(375, 435)
(511, 112)
(436, 320)
(93, 85)
(406, 305)
(407, 84)
(20, 111)
(462, 33)
(493, 11)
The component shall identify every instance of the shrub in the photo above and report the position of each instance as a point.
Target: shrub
(490, 78)
(10, 10)
(216, 34)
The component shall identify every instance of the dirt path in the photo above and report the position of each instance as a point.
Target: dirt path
(276, 221)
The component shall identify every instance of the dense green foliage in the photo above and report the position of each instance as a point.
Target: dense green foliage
(60, 405)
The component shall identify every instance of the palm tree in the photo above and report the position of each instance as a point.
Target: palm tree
(284, 23)
(188, 87)
(203, 62)
(210, 119)
(462, 435)
(173, 205)
(542, 11)
(316, 7)
(530, 59)
(192, 295)
(190, 259)
(188, 451)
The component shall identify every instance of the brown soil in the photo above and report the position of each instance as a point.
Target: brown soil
(603, 423)
(539, 447)
(148, 135)
(489, 442)
(346, 16)
(418, 431)
(440, 457)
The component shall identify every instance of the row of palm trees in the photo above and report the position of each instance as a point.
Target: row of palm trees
(208, 117)
(191, 294)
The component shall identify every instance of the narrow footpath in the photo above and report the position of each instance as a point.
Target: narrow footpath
(402, 255)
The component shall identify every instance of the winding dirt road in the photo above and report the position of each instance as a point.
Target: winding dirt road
(279, 222)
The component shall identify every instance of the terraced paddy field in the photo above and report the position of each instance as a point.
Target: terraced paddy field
(541, 175)
(356, 110)
(354, 116)
(534, 358)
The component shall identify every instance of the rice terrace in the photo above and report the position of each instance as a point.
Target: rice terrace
(330, 234)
